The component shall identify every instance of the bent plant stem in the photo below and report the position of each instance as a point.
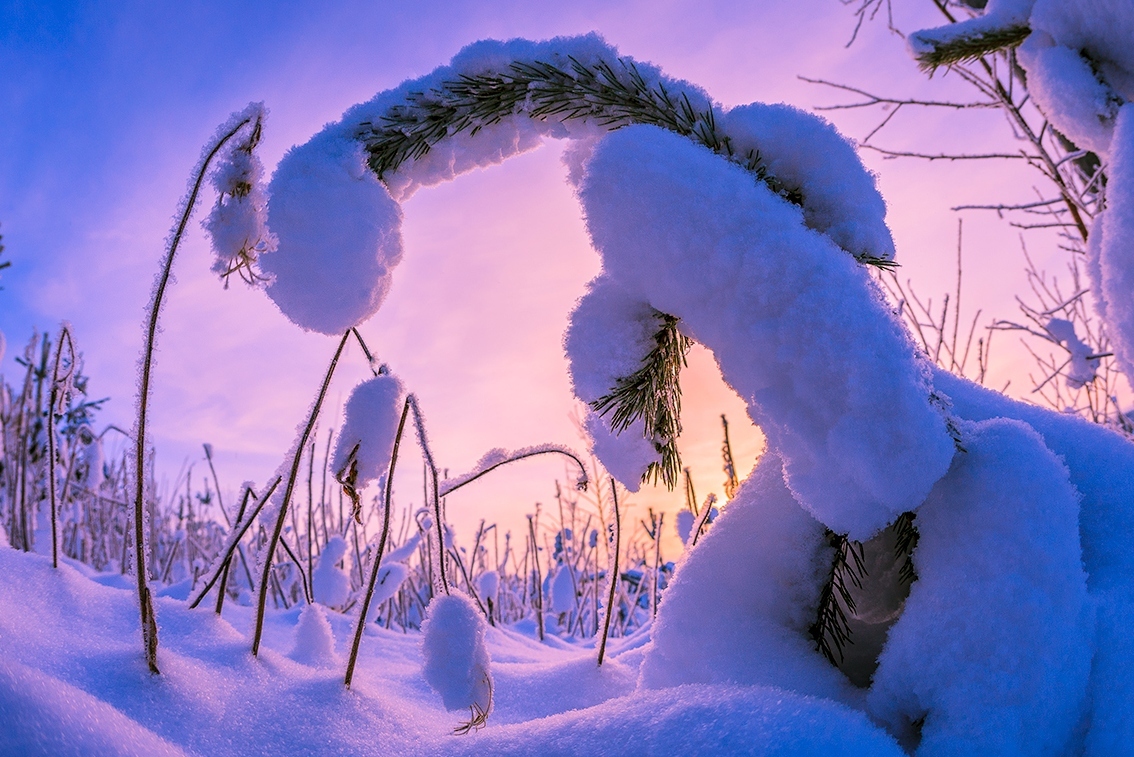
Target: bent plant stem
(145, 602)
(293, 475)
(57, 399)
(376, 564)
(614, 574)
(419, 425)
(228, 561)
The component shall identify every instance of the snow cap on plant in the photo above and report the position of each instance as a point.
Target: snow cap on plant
(339, 235)
(366, 440)
(238, 224)
(456, 661)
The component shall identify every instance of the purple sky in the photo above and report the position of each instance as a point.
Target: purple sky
(107, 106)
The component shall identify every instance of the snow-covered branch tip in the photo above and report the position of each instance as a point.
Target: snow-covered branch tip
(496, 458)
(652, 394)
(931, 54)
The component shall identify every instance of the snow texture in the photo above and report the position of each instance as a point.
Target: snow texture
(1099, 462)
(1068, 92)
(797, 326)
(329, 583)
(807, 154)
(456, 662)
(339, 236)
(370, 423)
(390, 578)
(994, 646)
(740, 604)
(314, 640)
(683, 525)
(701, 720)
(238, 224)
(1116, 253)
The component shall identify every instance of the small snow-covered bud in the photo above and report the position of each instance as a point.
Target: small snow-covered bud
(238, 223)
(366, 440)
(562, 591)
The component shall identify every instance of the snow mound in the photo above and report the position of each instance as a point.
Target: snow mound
(994, 647)
(740, 604)
(314, 640)
(734, 720)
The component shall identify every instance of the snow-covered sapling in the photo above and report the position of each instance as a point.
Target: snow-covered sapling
(456, 661)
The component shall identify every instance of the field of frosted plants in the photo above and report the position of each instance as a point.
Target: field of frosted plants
(917, 564)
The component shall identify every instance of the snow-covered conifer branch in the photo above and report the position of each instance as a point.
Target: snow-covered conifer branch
(612, 95)
(653, 395)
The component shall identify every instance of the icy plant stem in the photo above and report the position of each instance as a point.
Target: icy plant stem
(364, 610)
(613, 574)
(539, 578)
(293, 474)
(56, 399)
(228, 562)
(145, 603)
(423, 440)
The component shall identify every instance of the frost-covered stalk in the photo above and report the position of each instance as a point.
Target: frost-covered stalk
(60, 387)
(228, 563)
(539, 578)
(292, 476)
(364, 610)
(149, 624)
(614, 573)
(423, 440)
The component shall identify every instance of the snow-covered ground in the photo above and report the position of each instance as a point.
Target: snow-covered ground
(73, 682)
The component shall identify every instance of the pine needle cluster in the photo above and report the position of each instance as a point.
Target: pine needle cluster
(969, 48)
(653, 394)
(613, 95)
(831, 629)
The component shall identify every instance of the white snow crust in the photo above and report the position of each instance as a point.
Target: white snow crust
(1116, 248)
(994, 646)
(314, 640)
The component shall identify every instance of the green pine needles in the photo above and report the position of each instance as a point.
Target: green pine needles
(969, 48)
(831, 630)
(611, 95)
(653, 394)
